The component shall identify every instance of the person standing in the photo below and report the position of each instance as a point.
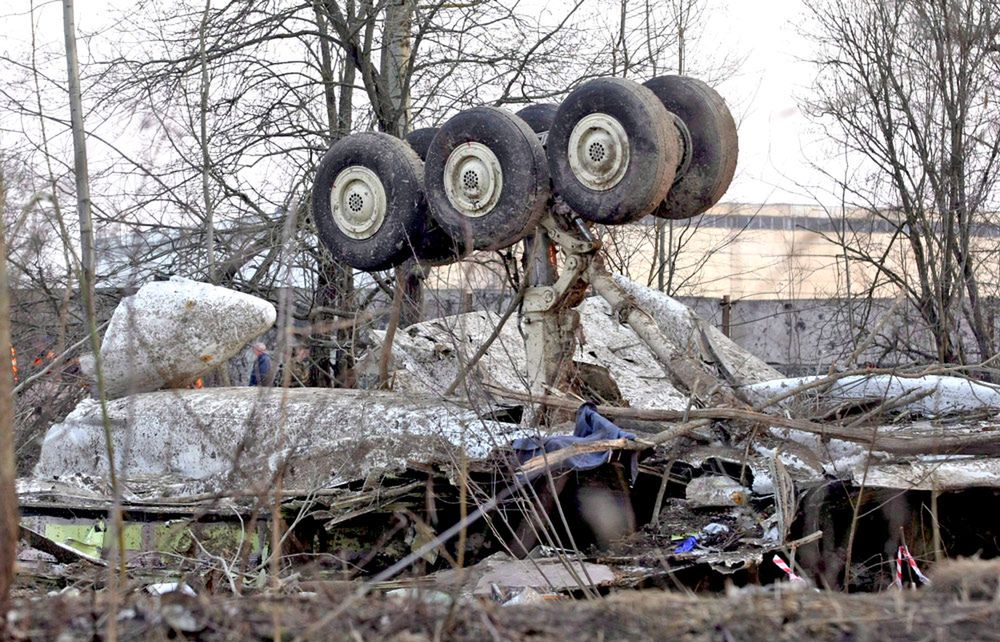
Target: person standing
(261, 365)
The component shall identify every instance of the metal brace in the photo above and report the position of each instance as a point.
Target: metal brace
(569, 231)
(550, 323)
(579, 247)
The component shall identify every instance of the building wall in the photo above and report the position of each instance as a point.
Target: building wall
(782, 268)
(761, 252)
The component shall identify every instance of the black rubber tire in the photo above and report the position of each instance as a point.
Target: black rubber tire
(399, 170)
(714, 145)
(653, 151)
(420, 140)
(525, 187)
(539, 117)
(434, 246)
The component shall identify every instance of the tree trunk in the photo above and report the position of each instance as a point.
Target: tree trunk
(80, 163)
(83, 206)
(394, 116)
(332, 366)
(412, 282)
(326, 73)
(205, 157)
(395, 119)
(9, 519)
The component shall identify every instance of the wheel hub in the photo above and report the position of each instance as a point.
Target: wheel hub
(357, 201)
(473, 179)
(598, 151)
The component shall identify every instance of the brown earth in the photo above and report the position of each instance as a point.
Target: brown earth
(963, 603)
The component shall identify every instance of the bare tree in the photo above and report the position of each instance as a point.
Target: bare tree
(202, 127)
(909, 90)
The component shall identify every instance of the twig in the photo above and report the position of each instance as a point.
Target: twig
(900, 299)
(802, 541)
(222, 562)
(891, 404)
(404, 563)
(856, 510)
(658, 504)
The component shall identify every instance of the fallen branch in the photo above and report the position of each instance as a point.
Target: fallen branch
(981, 443)
(802, 541)
(556, 458)
(895, 372)
(891, 404)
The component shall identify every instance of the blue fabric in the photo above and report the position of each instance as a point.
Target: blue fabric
(590, 426)
(260, 369)
(687, 545)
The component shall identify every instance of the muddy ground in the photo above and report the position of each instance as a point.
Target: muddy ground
(963, 603)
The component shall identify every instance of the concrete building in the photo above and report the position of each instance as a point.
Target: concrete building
(797, 298)
(747, 251)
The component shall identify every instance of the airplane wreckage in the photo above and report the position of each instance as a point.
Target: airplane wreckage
(573, 446)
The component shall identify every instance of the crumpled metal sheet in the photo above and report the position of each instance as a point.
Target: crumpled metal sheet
(235, 438)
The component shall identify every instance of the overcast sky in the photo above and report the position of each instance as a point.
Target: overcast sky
(776, 139)
(777, 142)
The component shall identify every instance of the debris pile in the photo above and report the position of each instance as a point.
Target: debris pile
(702, 470)
(244, 436)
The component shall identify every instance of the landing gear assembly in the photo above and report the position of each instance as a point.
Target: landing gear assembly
(611, 153)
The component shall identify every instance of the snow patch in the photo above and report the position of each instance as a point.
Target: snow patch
(933, 474)
(930, 395)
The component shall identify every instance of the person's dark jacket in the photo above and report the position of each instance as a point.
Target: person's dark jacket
(262, 366)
